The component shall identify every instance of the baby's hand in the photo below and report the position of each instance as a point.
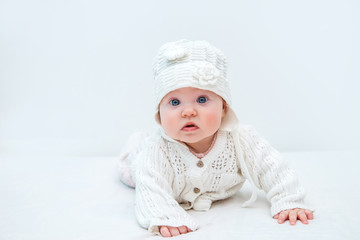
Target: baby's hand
(167, 231)
(293, 214)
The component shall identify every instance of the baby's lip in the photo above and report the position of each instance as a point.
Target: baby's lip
(190, 126)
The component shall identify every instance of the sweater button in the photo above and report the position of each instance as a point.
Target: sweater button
(200, 164)
(196, 190)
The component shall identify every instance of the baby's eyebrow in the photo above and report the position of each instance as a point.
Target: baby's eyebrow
(172, 97)
(203, 94)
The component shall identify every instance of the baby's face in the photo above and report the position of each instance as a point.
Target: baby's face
(190, 114)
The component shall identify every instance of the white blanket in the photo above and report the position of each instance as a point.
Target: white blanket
(82, 198)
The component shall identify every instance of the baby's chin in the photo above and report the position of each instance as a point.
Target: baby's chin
(189, 140)
(194, 140)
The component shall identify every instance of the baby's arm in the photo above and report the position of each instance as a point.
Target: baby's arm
(272, 173)
(156, 204)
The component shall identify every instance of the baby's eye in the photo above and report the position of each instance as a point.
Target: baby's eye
(175, 102)
(202, 99)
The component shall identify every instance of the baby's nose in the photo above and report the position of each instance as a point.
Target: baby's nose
(189, 111)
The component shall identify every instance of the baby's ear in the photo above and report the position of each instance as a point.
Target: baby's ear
(225, 108)
(157, 117)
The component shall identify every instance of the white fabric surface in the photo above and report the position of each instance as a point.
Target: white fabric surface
(82, 198)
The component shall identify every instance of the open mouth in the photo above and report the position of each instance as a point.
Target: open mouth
(190, 127)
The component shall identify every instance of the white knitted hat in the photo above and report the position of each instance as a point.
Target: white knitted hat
(195, 64)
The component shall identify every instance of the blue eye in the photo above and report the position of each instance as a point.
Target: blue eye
(202, 100)
(175, 102)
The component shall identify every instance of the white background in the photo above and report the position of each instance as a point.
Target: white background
(76, 76)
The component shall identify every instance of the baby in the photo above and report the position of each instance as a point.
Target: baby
(201, 153)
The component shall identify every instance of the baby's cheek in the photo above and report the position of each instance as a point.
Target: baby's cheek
(169, 124)
(214, 120)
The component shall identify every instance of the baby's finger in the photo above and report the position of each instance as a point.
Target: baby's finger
(309, 214)
(183, 229)
(174, 231)
(302, 216)
(276, 216)
(293, 217)
(283, 216)
(164, 231)
(189, 230)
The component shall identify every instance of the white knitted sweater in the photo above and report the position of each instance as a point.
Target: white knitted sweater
(170, 179)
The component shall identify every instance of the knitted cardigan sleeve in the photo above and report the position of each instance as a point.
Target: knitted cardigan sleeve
(155, 202)
(270, 172)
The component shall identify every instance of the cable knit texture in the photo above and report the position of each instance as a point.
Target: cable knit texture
(170, 179)
(187, 63)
